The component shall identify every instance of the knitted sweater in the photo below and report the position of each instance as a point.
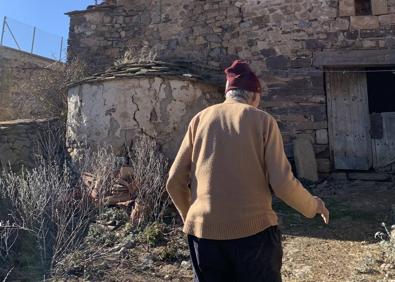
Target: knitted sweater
(229, 163)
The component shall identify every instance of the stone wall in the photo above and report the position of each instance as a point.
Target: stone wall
(116, 111)
(278, 37)
(17, 69)
(20, 139)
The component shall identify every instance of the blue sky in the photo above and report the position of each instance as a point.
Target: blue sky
(47, 15)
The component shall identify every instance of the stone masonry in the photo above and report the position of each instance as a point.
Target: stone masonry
(17, 69)
(20, 139)
(278, 38)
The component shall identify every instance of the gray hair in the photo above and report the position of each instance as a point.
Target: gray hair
(240, 95)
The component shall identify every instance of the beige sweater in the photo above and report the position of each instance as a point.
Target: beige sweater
(219, 180)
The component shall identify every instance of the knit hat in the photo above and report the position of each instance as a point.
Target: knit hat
(240, 76)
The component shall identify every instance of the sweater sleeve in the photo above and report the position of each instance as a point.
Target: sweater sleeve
(179, 176)
(281, 178)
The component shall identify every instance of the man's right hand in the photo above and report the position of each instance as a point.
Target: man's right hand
(322, 210)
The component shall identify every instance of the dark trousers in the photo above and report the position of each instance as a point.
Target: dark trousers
(253, 259)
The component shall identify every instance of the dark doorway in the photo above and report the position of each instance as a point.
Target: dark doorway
(381, 90)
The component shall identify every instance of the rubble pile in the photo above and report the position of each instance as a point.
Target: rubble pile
(122, 191)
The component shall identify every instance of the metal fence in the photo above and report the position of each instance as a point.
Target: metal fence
(31, 39)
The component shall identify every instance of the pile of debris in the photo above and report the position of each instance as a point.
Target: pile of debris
(122, 191)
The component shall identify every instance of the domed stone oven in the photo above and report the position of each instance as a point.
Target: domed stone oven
(154, 99)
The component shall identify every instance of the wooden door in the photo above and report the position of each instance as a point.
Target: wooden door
(384, 143)
(349, 122)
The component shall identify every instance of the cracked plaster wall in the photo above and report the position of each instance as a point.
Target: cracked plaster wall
(115, 111)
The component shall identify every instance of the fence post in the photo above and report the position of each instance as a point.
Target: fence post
(61, 47)
(3, 30)
(12, 34)
(34, 36)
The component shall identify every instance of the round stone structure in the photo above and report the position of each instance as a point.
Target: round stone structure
(153, 99)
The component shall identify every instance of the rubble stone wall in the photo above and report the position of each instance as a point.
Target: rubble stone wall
(278, 37)
(20, 139)
(114, 112)
(17, 69)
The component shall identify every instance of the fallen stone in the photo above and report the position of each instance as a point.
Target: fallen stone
(304, 156)
(369, 176)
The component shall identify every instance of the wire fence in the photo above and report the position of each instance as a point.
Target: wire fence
(31, 39)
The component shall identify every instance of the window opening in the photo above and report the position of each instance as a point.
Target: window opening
(363, 7)
(381, 90)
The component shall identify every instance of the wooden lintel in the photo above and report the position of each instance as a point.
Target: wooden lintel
(354, 58)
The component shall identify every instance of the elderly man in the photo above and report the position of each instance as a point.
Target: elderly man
(230, 162)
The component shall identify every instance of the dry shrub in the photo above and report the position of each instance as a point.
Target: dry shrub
(44, 202)
(50, 143)
(150, 168)
(49, 84)
(50, 206)
(102, 164)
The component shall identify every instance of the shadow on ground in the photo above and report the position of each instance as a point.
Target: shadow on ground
(357, 210)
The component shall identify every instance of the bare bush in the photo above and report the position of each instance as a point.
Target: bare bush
(50, 143)
(149, 175)
(49, 84)
(8, 237)
(43, 200)
(50, 204)
(101, 162)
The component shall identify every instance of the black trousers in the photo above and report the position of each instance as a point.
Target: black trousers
(253, 259)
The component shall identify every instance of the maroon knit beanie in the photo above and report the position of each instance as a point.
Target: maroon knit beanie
(240, 76)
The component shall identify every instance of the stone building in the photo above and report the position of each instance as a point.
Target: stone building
(17, 70)
(155, 99)
(321, 61)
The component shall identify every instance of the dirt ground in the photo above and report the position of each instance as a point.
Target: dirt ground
(345, 250)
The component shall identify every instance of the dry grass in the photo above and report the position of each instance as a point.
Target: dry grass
(136, 54)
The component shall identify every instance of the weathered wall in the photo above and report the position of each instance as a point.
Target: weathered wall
(116, 111)
(20, 139)
(278, 37)
(17, 69)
